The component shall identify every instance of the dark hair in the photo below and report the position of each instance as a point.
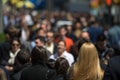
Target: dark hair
(81, 42)
(62, 27)
(39, 54)
(101, 37)
(15, 39)
(61, 65)
(41, 38)
(23, 56)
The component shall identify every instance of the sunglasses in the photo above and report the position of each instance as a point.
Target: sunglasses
(15, 44)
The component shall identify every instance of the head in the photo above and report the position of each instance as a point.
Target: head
(50, 36)
(61, 46)
(88, 63)
(79, 43)
(61, 65)
(69, 28)
(13, 32)
(39, 41)
(23, 57)
(77, 25)
(88, 52)
(15, 44)
(41, 32)
(101, 41)
(62, 31)
(39, 53)
(85, 35)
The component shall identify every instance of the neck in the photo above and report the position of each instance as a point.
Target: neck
(49, 43)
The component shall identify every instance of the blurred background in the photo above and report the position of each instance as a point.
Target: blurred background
(109, 9)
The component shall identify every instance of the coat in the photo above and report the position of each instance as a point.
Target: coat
(112, 71)
(38, 71)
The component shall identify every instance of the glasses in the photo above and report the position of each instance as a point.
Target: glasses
(15, 44)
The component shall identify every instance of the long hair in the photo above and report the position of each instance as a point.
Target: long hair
(87, 67)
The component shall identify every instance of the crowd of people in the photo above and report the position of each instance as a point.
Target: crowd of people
(58, 45)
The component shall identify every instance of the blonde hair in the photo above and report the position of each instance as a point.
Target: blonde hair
(87, 67)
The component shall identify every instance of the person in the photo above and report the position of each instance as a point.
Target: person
(75, 48)
(39, 69)
(8, 59)
(61, 52)
(113, 36)
(50, 44)
(22, 62)
(62, 36)
(102, 45)
(61, 66)
(40, 41)
(112, 71)
(94, 30)
(85, 35)
(87, 66)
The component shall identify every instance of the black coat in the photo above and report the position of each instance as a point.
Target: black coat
(4, 53)
(112, 71)
(38, 71)
(17, 75)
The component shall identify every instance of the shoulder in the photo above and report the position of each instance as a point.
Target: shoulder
(53, 56)
(115, 59)
(68, 54)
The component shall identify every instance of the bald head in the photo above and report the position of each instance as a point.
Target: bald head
(85, 35)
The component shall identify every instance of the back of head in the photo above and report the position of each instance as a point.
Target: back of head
(23, 56)
(61, 65)
(88, 52)
(88, 63)
(39, 54)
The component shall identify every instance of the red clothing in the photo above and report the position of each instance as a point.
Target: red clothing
(68, 41)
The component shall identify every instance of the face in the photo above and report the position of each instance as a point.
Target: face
(15, 46)
(62, 32)
(38, 43)
(49, 37)
(102, 44)
(41, 33)
(61, 47)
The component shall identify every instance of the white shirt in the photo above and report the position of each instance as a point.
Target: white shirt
(66, 55)
(12, 57)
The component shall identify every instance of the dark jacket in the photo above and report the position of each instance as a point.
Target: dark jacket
(112, 71)
(4, 53)
(17, 75)
(59, 77)
(38, 71)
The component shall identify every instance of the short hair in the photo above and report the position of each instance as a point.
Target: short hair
(15, 39)
(62, 41)
(61, 65)
(41, 38)
(23, 56)
(101, 37)
(62, 27)
(80, 42)
(39, 53)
